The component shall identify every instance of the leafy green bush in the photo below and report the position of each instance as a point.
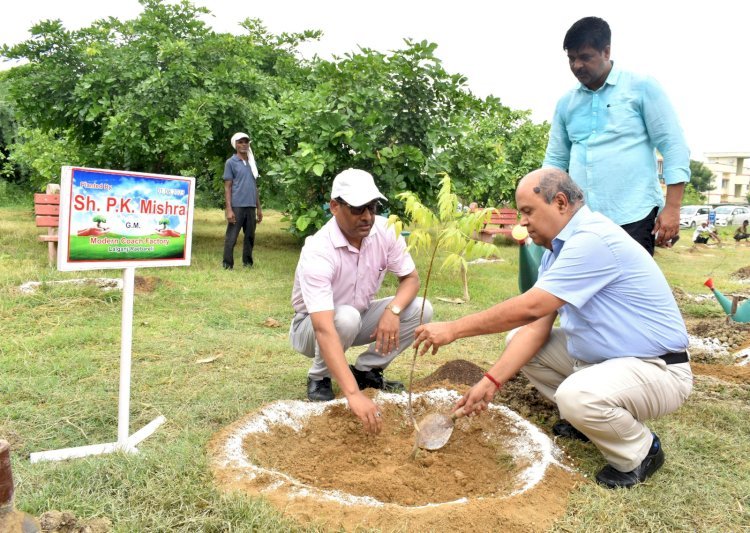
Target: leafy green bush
(13, 194)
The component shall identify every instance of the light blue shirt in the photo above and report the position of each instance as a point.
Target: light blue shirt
(618, 303)
(605, 140)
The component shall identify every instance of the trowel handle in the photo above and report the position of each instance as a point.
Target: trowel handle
(461, 412)
(458, 413)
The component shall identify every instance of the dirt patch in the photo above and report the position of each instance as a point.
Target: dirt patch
(105, 284)
(66, 522)
(733, 336)
(735, 374)
(456, 372)
(518, 394)
(497, 472)
(146, 284)
(742, 274)
(474, 465)
(326, 471)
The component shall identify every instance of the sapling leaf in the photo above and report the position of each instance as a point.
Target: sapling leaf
(450, 232)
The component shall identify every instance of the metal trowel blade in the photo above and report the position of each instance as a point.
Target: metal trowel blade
(435, 431)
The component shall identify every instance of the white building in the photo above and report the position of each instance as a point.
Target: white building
(731, 178)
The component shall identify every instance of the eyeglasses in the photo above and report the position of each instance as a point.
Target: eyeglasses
(243, 141)
(372, 207)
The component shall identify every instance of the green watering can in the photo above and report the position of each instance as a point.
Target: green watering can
(529, 258)
(738, 313)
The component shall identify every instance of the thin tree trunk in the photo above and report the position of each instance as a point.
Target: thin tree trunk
(465, 278)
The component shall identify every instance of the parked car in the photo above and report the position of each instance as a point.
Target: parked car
(731, 215)
(692, 215)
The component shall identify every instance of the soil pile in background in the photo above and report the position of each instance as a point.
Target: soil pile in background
(66, 522)
(452, 373)
(742, 274)
(734, 374)
(146, 284)
(518, 393)
(735, 335)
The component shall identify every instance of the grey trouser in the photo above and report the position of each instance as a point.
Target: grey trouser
(609, 401)
(245, 221)
(355, 329)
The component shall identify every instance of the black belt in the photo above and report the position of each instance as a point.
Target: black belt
(675, 358)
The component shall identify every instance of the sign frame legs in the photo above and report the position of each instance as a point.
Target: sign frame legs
(125, 441)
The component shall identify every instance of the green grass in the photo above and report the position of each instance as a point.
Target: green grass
(59, 369)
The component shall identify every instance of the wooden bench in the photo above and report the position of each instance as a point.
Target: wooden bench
(501, 223)
(47, 212)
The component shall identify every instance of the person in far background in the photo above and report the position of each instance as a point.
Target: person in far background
(704, 232)
(604, 133)
(742, 232)
(242, 200)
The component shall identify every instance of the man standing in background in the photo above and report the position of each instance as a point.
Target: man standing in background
(242, 200)
(604, 133)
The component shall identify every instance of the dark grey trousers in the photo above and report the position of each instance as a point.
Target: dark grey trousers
(245, 221)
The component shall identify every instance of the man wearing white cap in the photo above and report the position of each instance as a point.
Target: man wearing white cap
(340, 270)
(242, 200)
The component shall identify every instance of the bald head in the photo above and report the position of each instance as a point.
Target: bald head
(548, 182)
(547, 199)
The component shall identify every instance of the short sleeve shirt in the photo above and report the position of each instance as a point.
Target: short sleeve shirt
(331, 272)
(618, 303)
(244, 191)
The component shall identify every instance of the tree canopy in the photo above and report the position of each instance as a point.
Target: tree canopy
(164, 93)
(701, 177)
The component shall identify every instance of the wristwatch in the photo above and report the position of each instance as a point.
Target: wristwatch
(396, 310)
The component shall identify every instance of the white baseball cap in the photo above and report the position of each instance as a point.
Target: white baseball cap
(355, 187)
(239, 135)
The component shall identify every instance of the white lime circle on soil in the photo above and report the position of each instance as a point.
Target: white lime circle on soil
(528, 443)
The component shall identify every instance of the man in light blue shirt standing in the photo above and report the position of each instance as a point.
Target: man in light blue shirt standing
(605, 132)
(618, 357)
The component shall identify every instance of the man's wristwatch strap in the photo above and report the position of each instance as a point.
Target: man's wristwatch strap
(396, 310)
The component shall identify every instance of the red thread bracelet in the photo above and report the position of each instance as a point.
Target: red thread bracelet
(493, 380)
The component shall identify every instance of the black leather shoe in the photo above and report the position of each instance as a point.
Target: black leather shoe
(565, 429)
(319, 391)
(613, 478)
(374, 379)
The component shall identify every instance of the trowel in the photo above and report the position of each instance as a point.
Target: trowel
(435, 429)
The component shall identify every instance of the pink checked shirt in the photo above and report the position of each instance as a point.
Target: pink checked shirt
(331, 272)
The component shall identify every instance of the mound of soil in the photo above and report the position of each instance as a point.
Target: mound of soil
(66, 522)
(518, 394)
(380, 466)
(471, 484)
(146, 284)
(742, 274)
(468, 485)
(456, 372)
(735, 335)
(735, 374)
